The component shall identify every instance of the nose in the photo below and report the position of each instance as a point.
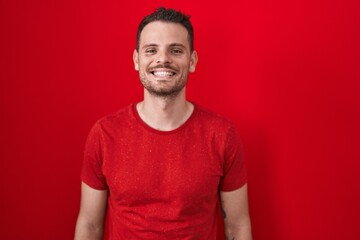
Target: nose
(163, 57)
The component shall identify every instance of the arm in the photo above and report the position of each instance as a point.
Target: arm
(234, 205)
(90, 222)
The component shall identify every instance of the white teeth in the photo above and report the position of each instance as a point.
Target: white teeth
(163, 73)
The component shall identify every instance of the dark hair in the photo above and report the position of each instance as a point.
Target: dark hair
(167, 15)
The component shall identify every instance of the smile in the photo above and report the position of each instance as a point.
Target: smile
(163, 73)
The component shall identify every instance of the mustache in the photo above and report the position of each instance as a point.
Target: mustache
(163, 66)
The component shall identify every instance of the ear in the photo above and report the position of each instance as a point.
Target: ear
(193, 61)
(136, 60)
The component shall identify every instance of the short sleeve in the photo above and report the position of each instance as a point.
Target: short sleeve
(91, 172)
(234, 172)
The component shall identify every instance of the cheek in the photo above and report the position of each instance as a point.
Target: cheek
(144, 64)
(186, 67)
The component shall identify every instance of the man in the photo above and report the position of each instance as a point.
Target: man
(160, 167)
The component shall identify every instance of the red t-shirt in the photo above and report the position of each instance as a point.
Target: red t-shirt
(163, 184)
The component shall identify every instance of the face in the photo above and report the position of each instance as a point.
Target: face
(164, 59)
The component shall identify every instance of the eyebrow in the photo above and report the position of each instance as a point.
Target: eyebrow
(150, 45)
(177, 45)
(171, 45)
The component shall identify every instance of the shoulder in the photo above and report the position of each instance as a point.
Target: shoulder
(119, 119)
(210, 118)
(214, 125)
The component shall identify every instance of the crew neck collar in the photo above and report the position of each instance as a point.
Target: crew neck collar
(161, 132)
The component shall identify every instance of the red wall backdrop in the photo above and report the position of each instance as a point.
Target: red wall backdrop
(286, 72)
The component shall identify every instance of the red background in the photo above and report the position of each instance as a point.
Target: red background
(286, 72)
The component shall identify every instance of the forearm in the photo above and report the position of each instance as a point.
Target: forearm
(238, 231)
(87, 231)
(236, 214)
(91, 219)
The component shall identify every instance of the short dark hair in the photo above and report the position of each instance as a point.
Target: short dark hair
(167, 15)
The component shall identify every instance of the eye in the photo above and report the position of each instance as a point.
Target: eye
(150, 51)
(177, 51)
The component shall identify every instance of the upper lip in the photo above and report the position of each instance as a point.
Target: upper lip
(162, 69)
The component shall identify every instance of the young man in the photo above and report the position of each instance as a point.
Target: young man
(160, 167)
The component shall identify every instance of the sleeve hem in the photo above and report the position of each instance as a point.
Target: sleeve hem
(94, 185)
(233, 187)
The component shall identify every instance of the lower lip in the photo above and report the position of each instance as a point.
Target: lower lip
(163, 77)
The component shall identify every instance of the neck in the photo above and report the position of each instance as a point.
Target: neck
(163, 113)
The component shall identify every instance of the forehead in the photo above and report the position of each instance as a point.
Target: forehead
(164, 33)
